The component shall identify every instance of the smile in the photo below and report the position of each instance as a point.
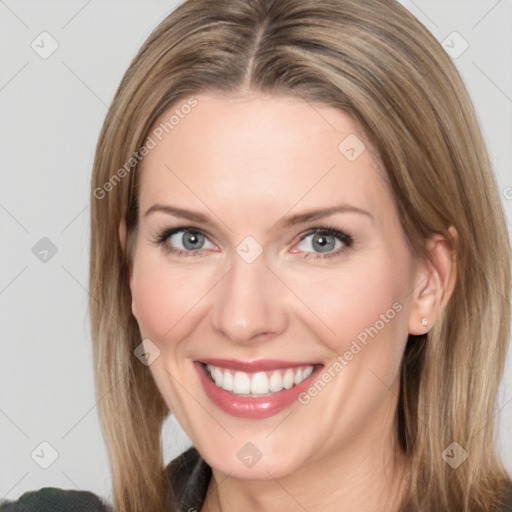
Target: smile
(255, 390)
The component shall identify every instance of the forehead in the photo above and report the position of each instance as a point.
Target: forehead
(256, 149)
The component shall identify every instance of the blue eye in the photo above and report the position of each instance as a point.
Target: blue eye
(324, 243)
(190, 240)
(183, 241)
(318, 243)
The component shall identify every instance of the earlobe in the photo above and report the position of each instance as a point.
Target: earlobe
(426, 300)
(435, 283)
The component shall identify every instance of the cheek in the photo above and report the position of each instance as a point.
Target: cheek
(358, 304)
(165, 294)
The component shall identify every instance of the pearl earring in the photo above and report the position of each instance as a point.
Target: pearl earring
(424, 322)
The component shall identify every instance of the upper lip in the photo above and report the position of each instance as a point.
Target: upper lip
(255, 366)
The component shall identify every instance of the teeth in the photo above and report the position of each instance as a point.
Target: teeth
(288, 378)
(217, 376)
(227, 381)
(259, 383)
(241, 383)
(307, 372)
(276, 382)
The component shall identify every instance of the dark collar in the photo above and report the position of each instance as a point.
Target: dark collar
(190, 476)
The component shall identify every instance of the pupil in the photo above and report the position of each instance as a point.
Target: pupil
(324, 242)
(190, 240)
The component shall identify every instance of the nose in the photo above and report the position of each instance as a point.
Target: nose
(250, 304)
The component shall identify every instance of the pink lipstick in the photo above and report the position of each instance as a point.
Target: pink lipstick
(255, 389)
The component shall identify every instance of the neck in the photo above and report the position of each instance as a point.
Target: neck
(363, 477)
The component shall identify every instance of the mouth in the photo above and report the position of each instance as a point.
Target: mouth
(261, 383)
(256, 389)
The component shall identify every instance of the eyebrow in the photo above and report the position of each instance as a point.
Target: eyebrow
(284, 222)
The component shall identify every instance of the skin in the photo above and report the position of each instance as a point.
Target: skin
(246, 162)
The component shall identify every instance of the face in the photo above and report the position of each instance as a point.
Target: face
(269, 246)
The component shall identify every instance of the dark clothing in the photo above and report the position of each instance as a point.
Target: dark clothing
(51, 499)
(190, 476)
(190, 473)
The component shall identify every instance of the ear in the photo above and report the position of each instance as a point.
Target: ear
(122, 240)
(435, 281)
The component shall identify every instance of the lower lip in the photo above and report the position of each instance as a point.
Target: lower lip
(252, 408)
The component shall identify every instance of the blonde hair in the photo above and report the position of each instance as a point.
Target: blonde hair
(375, 61)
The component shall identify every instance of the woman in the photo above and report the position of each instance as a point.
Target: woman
(238, 117)
(298, 249)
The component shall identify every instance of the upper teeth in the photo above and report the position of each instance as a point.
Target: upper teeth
(259, 383)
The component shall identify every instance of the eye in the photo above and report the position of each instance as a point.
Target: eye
(184, 241)
(318, 243)
(324, 243)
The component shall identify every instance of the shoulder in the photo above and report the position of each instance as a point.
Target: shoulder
(56, 500)
(190, 476)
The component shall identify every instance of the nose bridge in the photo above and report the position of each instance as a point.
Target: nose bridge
(248, 304)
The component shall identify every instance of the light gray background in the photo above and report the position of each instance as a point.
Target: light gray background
(51, 113)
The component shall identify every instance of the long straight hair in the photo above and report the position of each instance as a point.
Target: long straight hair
(373, 60)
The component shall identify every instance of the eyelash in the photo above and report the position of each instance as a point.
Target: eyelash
(346, 239)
